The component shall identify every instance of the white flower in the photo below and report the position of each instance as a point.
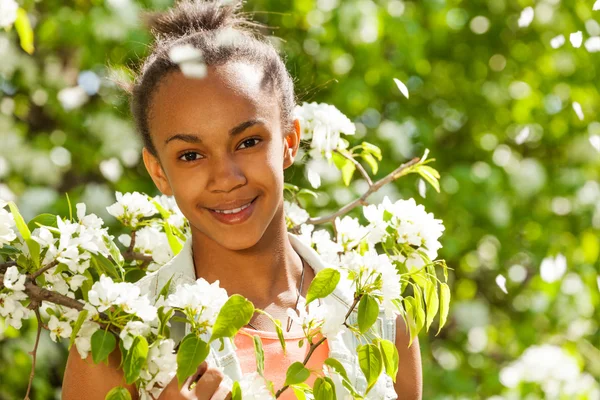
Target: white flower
(402, 87)
(501, 282)
(576, 38)
(189, 59)
(106, 293)
(327, 248)
(253, 387)
(131, 330)
(325, 124)
(526, 17)
(349, 232)
(593, 44)
(578, 110)
(551, 367)
(160, 368)
(200, 300)
(58, 329)
(14, 280)
(552, 269)
(7, 234)
(596, 6)
(151, 241)
(72, 97)
(12, 309)
(84, 336)
(8, 12)
(131, 207)
(313, 177)
(294, 213)
(332, 312)
(557, 41)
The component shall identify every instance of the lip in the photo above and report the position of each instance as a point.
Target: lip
(235, 218)
(230, 205)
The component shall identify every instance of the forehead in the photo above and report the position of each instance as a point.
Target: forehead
(228, 95)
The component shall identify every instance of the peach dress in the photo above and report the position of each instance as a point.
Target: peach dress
(276, 363)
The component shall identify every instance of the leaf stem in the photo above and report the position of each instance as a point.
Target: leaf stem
(34, 351)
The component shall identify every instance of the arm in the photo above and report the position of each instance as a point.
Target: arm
(85, 380)
(409, 380)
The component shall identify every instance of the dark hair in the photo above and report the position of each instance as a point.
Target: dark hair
(201, 23)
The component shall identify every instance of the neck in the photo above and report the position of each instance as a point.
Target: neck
(266, 273)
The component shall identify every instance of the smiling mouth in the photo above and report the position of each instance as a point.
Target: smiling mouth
(234, 210)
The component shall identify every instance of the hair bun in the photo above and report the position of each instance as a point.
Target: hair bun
(191, 16)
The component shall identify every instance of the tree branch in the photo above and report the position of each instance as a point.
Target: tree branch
(358, 166)
(34, 351)
(395, 174)
(43, 269)
(137, 256)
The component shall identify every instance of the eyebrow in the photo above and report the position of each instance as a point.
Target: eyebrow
(236, 130)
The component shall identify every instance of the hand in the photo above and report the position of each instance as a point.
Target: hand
(208, 387)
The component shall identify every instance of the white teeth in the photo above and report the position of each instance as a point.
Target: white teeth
(235, 210)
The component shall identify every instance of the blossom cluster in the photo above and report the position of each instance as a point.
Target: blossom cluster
(136, 211)
(11, 306)
(554, 370)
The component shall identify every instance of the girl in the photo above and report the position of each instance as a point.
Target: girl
(219, 144)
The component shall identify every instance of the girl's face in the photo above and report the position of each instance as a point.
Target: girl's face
(220, 149)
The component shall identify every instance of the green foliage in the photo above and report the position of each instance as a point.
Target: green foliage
(296, 373)
(103, 343)
(235, 313)
(190, 355)
(323, 284)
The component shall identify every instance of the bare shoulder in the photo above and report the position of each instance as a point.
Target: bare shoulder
(409, 381)
(85, 380)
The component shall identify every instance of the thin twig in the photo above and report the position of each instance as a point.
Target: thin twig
(313, 346)
(137, 256)
(132, 243)
(34, 352)
(6, 265)
(44, 269)
(358, 166)
(395, 174)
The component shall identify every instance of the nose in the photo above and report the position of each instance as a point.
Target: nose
(225, 175)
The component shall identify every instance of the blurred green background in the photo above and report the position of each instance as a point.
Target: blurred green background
(495, 102)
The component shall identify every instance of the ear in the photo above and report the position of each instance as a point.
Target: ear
(156, 172)
(291, 144)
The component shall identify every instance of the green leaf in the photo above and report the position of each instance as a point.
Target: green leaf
(134, 274)
(299, 392)
(347, 171)
(260, 355)
(80, 320)
(174, 243)
(419, 309)
(32, 245)
(236, 391)
(371, 149)
(296, 373)
(444, 304)
(432, 301)
(235, 313)
(190, 355)
(164, 292)
(163, 318)
(368, 311)
(324, 389)
(9, 250)
(308, 192)
(114, 252)
(23, 28)
(389, 354)
(42, 220)
(430, 175)
(135, 359)
(280, 334)
(371, 364)
(103, 343)
(118, 393)
(369, 159)
(409, 305)
(322, 284)
(104, 266)
(337, 367)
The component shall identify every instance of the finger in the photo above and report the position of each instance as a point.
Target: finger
(208, 384)
(188, 392)
(221, 393)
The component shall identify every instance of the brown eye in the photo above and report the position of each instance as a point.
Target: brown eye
(249, 142)
(190, 156)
